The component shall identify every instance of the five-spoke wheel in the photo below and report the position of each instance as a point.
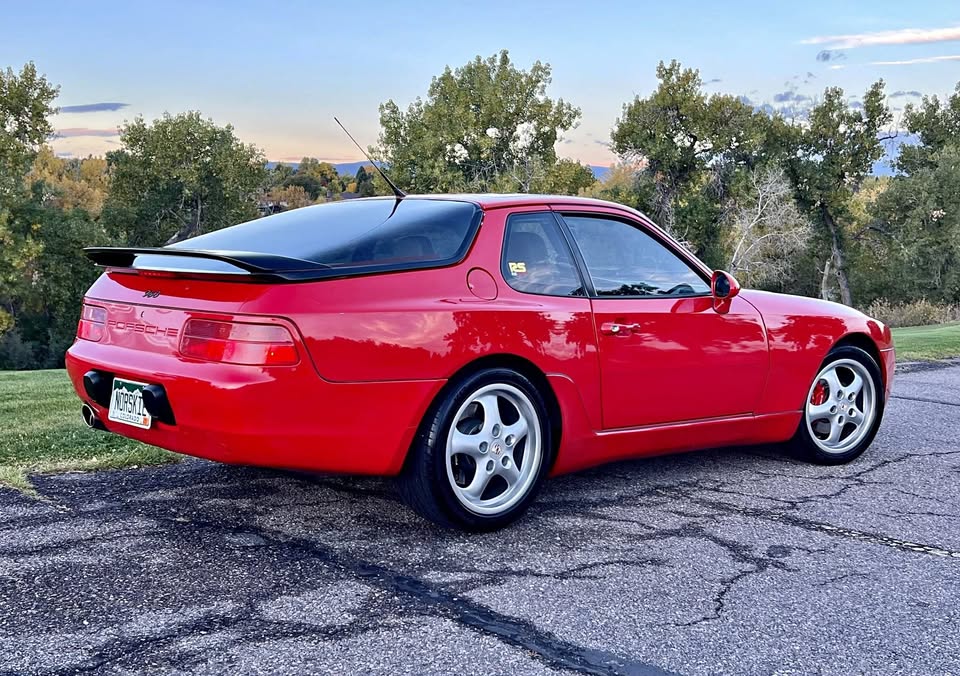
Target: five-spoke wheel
(482, 453)
(843, 407)
(494, 449)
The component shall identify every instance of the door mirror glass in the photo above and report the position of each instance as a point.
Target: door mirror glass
(724, 286)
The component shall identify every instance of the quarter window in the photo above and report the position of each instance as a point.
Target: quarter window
(623, 260)
(536, 258)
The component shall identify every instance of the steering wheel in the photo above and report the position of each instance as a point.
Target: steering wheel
(679, 289)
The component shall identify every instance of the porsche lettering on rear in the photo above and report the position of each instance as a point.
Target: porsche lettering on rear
(137, 327)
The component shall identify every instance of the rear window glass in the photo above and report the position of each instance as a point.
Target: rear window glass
(374, 232)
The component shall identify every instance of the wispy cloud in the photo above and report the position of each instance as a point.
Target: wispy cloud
(900, 93)
(93, 107)
(71, 132)
(713, 81)
(910, 62)
(903, 36)
(836, 67)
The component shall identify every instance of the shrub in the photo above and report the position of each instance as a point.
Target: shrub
(916, 313)
(17, 353)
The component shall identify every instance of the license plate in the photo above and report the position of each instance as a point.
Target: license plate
(126, 404)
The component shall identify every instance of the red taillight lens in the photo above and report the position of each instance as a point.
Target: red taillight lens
(93, 323)
(238, 343)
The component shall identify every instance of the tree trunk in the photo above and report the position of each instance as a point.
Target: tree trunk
(839, 263)
(663, 200)
(825, 291)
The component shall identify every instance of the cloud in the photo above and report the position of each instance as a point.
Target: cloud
(71, 132)
(910, 62)
(789, 104)
(830, 55)
(836, 67)
(790, 95)
(93, 107)
(903, 94)
(713, 81)
(903, 36)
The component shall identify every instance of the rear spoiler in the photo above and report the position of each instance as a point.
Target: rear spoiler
(257, 266)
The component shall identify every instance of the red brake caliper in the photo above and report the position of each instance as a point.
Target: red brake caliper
(820, 394)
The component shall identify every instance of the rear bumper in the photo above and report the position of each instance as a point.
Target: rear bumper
(284, 417)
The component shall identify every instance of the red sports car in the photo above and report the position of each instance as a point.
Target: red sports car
(468, 344)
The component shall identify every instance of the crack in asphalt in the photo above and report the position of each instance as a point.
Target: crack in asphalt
(817, 526)
(543, 645)
(428, 599)
(925, 400)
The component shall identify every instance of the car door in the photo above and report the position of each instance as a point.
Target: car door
(666, 355)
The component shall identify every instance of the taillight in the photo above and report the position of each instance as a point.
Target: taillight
(93, 323)
(238, 343)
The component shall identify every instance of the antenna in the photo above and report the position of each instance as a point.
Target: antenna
(393, 186)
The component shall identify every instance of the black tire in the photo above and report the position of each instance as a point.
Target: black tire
(424, 484)
(803, 443)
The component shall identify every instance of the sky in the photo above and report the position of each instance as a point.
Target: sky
(279, 71)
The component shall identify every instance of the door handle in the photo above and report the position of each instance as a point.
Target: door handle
(616, 329)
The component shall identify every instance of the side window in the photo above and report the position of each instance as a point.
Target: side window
(536, 258)
(623, 260)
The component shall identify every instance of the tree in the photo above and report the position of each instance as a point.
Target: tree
(486, 124)
(71, 183)
(325, 174)
(835, 152)
(307, 183)
(278, 175)
(178, 177)
(915, 234)
(622, 184)
(766, 231)
(937, 123)
(26, 104)
(566, 177)
(365, 181)
(288, 198)
(691, 150)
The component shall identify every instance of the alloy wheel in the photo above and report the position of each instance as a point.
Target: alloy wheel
(841, 406)
(494, 449)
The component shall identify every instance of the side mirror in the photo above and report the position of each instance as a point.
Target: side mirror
(724, 287)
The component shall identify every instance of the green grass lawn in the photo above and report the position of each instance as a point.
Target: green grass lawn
(41, 431)
(927, 342)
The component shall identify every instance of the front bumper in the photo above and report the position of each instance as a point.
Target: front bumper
(283, 417)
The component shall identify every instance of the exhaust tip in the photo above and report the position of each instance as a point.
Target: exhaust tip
(90, 419)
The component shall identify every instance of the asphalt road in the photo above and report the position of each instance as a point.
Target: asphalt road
(739, 561)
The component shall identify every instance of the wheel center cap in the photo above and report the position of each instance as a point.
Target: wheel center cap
(497, 448)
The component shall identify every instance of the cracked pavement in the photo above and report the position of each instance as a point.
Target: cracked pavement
(737, 560)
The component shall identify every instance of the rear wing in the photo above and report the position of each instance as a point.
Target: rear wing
(249, 266)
